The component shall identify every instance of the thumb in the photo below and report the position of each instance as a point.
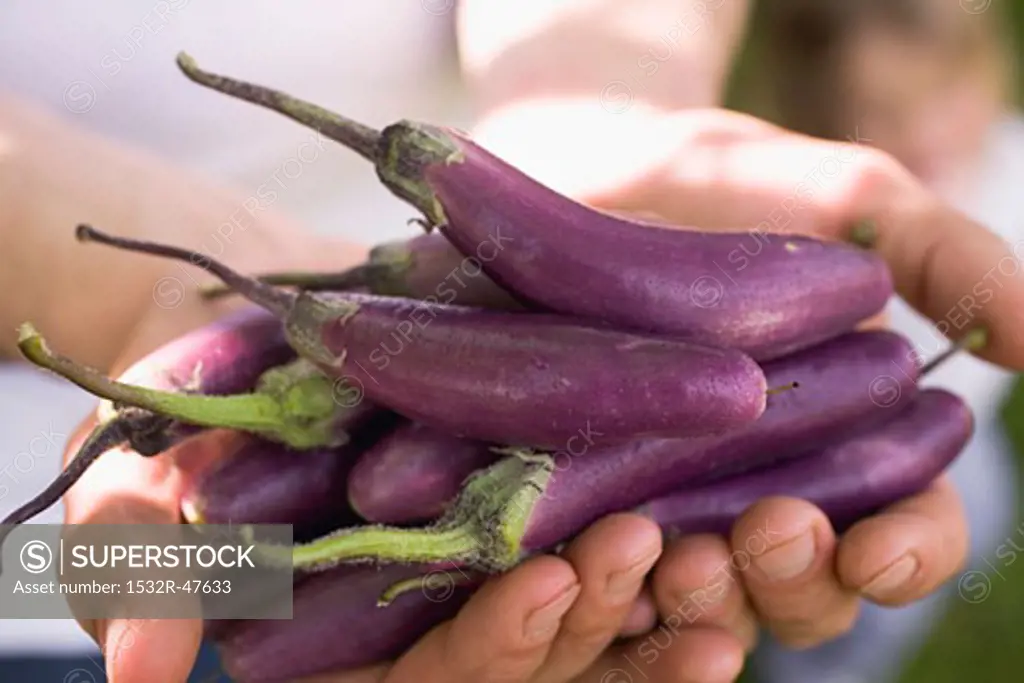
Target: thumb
(123, 488)
(149, 650)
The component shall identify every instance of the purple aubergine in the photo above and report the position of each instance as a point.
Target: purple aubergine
(337, 624)
(266, 483)
(525, 378)
(521, 379)
(428, 267)
(764, 294)
(534, 501)
(425, 267)
(847, 481)
(224, 357)
(411, 474)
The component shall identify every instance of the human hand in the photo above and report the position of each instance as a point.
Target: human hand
(720, 170)
(517, 628)
(495, 634)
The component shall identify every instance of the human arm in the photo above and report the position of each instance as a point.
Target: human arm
(54, 175)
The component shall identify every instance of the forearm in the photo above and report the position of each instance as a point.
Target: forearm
(88, 299)
(567, 85)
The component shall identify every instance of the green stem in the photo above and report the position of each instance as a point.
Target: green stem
(400, 152)
(300, 415)
(426, 584)
(354, 135)
(304, 315)
(974, 340)
(483, 530)
(864, 234)
(311, 282)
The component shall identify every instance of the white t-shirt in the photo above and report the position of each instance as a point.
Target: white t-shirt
(112, 69)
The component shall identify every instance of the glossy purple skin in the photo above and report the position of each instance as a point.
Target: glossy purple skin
(412, 473)
(231, 354)
(429, 267)
(536, 380)
(839, 393)
(847, 481)
(767, 295)
(267, 483)
(336, 625)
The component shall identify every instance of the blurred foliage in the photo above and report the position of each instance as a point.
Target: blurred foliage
(979, 642)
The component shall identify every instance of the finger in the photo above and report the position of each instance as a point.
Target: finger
(692, 655)
(790, 547)
(611, 559)
(642, 616)
(907, 551)
(502, 634)
(141, 650)
(124, 488)
(696, 583)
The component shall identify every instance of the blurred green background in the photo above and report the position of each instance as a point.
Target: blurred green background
(979, 642)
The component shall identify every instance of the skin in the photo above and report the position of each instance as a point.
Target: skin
(927, 105)
(656, 160)
(672, 154)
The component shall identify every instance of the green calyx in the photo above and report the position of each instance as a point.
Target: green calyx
(406, 148)
(483, 529)
(293, 405)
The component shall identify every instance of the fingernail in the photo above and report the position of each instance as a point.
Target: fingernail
(545, 620)
(788, 560)
(892, 578)
(623, 585)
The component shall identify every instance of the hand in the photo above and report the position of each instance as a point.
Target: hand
(552, 619)
(583, 599)
(783, 568)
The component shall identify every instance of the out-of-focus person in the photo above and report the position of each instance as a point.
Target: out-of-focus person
(932, 84)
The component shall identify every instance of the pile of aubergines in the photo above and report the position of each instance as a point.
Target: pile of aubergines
(484, 391)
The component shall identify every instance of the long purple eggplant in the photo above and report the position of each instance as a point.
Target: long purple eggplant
(533, 501)
(848, 481)
(411, 474)
(266, 483)
(224, 357)
(766, 295)
(425, 267)
(337, 624)
(522, 379)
